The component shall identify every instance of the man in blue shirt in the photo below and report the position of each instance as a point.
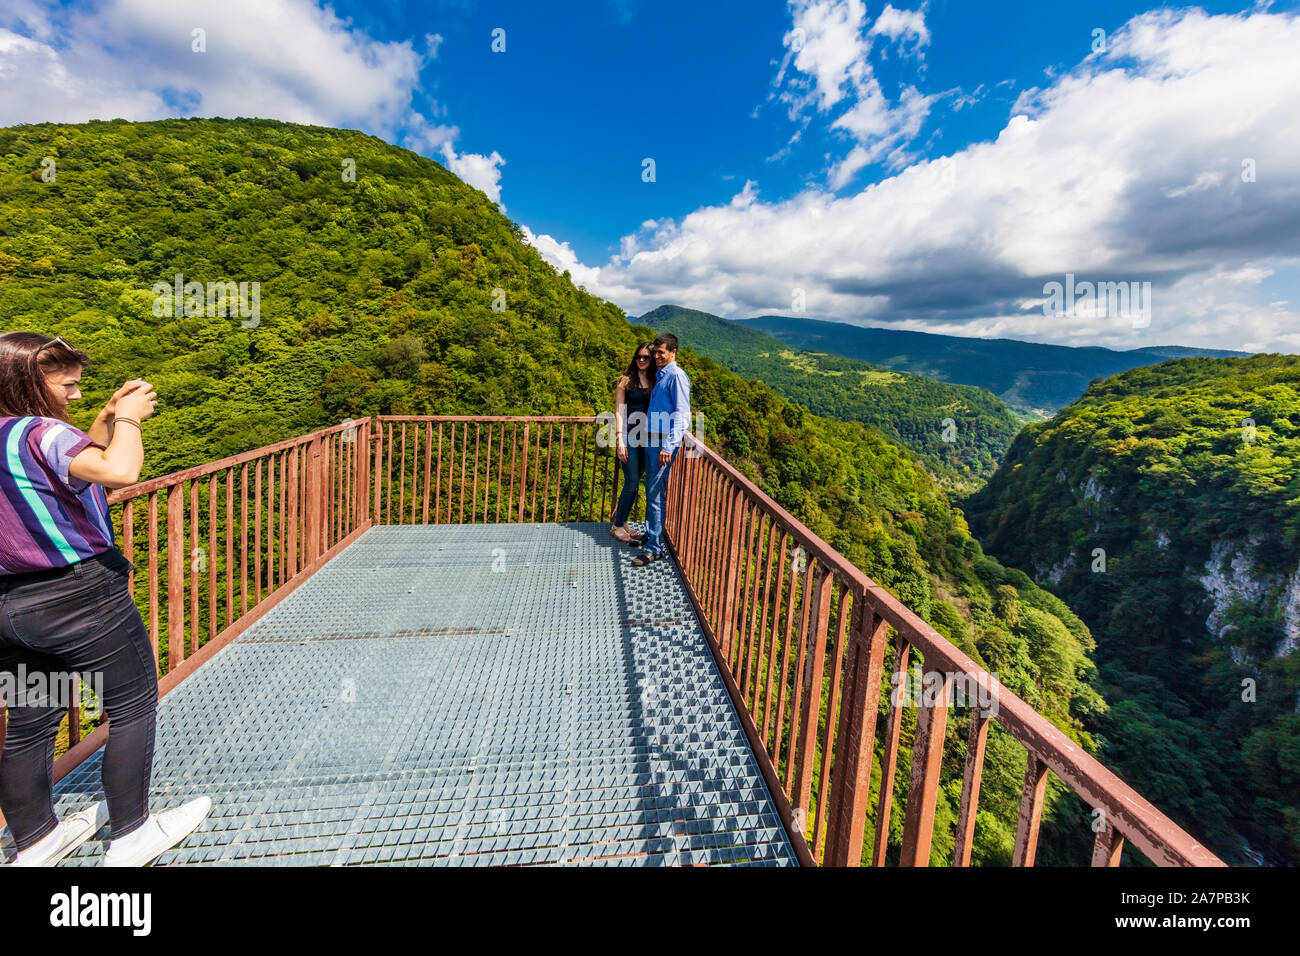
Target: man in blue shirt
(670, 417)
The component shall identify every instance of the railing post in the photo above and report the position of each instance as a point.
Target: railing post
(314, 495)
(376, 465)
(970, 786)
(731, 571)
(1031, 811)
(523, 474)
(927, 757)
(1107, 848)
(175, 575)
(812, 678)
(851, 781)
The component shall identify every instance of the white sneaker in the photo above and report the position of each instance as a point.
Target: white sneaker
(75, 830)
(161, 833)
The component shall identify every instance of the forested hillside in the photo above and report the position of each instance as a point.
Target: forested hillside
(959, 431)
(1164, 506)
(1030, 377)
(377, 296)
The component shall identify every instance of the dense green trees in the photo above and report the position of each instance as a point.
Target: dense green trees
(1166, 503)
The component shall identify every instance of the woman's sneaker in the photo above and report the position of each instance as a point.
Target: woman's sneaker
(72, 832)
(157, 834)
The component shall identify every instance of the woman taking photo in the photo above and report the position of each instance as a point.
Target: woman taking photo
(65, 606)
(631, 405)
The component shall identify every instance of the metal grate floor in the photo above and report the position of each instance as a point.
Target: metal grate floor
(464, 695)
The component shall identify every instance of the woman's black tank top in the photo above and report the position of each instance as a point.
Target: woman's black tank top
(637, 399)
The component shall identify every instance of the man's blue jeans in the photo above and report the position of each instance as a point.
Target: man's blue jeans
(656, 497)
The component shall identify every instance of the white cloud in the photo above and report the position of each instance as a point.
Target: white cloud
(829, 47)
(902, 25)
(481, 172)
(1126, 168)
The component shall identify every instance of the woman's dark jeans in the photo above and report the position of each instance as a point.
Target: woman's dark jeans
(633, 475)
(79, 618)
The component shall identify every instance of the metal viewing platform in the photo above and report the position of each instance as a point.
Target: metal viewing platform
(468, 695)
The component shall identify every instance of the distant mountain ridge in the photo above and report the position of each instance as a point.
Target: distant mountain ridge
(960, 432)
(1028, 376)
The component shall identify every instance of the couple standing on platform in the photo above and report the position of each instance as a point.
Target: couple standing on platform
(652, 413)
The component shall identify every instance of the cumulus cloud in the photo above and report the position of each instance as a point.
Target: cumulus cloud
(827, 71)
(1136, 165)
(481, 172)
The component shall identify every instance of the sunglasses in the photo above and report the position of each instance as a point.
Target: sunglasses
(644, 358)
(57, 340)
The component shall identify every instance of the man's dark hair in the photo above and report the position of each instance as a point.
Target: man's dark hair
(668, 339)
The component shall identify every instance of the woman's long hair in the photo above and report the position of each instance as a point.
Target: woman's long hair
(632, 374)
(26, 360)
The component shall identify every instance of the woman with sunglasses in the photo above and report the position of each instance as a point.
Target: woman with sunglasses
(631, 405)
(65, 606)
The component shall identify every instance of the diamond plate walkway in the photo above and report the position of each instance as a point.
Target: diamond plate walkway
(464, 695)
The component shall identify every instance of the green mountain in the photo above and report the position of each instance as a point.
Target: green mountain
(959, 432)
(1164, 506)
(1031, 378)
(377, 296)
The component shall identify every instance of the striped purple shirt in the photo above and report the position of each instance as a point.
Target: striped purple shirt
(48, 519)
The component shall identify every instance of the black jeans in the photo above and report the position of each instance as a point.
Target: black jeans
(78, 618)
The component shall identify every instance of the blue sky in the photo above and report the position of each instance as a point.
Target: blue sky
(930, 165)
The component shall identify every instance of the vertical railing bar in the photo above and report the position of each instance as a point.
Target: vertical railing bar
(401, 479)
(193, 575)
(1031, 811)
(584, 514)
(829, 739)
(792, 601)
(212, 557)
(230, 546)
(175, 575)
(760, 637)
(243, 539)
(464, 459)
(807, 622)
(501, 461)
(771, 651)
(809, 678)
(568, 502)
(889, 761)
(523, 472)
(927, 761)
(473, 501)
(1108, 845)
(437, 488)
(851, 783)
(155, 633)
(559, 472)
(970, 786)
(257, 534)
(428, 466)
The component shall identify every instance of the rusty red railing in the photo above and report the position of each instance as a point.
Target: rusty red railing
(801, 636)
(810, 691)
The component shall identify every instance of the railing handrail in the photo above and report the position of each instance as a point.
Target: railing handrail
(1137, 819)
(171, 479)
